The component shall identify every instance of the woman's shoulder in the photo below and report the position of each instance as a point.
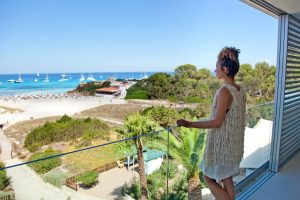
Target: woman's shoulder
(233, 88)
(224, 92)
(226, 89)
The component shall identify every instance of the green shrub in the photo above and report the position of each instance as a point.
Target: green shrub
(133, 189)
(156, 182)
(56, 178)
(90, 87)
(87, 120)
(7, 195)
(202, 110)
(88, 179)
(136, 94)
(202, 180)
(4, 180)
(254, 114)
(64, 119)
(172, 98)
(42, 167)
(162, 115)
(65, 129)
(193, 100)
(179, 189)
(186, 113)
(172, 169)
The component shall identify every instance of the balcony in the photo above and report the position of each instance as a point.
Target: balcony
(115, 166)
(275, 176)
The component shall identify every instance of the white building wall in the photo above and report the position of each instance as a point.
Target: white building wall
(257, 144)
(153, 165)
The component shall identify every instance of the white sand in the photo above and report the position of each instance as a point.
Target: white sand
(39, 108)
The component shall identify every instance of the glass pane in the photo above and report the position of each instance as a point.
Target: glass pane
(257, 142)
(106, 172)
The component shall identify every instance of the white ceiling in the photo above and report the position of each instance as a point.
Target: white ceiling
(289, 6)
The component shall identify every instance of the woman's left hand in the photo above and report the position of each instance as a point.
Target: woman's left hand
(182, 122)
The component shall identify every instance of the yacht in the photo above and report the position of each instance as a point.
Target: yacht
(91, 78)
(81, 78)
(11, 80)
(36, 80)
(46, 79)
(63, 78)
(20, 80)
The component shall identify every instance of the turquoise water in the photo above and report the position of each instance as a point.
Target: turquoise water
(35, 84)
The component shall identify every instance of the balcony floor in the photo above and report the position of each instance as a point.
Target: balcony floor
(283, 185)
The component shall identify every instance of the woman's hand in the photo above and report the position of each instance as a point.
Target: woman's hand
(182, 122)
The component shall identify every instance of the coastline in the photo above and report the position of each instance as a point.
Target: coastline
(53, 105)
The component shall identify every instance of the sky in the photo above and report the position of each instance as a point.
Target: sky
(51, 36)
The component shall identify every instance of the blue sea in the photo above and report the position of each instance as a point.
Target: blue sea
(58, 83)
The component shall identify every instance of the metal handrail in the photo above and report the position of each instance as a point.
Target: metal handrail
(88, 148)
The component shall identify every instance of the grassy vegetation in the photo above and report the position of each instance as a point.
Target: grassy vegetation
(88, 160)
(56, 178)
(45, 166)
(136, 93)
(4, 180)
(114, 112)
(254, 113)
(132, 189)
(88, 179)
(66, 129)
(157, 180)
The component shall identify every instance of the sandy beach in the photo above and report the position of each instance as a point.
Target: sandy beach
(46, 107)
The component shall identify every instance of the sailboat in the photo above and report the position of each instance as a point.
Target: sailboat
(20, 80)
(90, 78)
(81, 77)
(63, 78)
(145, 75)
(46, 79)
(131, 77)
(36, 79)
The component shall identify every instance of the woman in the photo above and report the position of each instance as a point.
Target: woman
(225, 139)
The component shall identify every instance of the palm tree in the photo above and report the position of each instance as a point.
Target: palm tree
(136, 124)
(187, 147)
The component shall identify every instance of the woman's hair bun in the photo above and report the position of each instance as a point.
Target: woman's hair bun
(229, 58)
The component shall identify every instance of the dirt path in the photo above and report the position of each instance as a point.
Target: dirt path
(29, 186)
(5, 147)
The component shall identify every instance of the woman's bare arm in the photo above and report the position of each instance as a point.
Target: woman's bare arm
(223, 103)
